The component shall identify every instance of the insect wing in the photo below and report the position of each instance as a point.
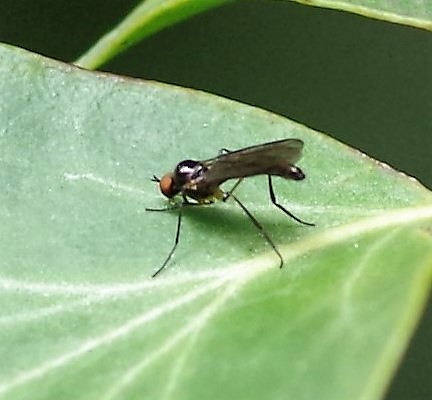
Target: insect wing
(254, 160)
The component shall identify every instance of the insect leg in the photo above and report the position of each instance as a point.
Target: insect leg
(174, 207)
(273, 200)
(176, 241)
(224, 151)
(260, 228)
(227, 195)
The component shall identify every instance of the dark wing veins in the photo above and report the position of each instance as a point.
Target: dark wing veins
(274, 158)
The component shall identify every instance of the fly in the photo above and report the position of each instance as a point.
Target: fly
(198, 182)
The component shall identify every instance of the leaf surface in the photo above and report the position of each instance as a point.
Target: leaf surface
(80, 316)
(412, 13)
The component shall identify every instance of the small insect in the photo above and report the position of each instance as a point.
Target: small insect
(197, 182)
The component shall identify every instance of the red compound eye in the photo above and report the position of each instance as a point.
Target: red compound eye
(166, 186)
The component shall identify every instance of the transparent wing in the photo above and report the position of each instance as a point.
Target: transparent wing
(274, 158)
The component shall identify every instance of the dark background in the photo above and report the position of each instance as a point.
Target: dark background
(367, 83)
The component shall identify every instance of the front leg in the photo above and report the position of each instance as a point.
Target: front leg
(177, 205)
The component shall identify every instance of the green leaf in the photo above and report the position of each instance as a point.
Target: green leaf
(149, 17)
(153, 15)
(413, 13)
(80, 316)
